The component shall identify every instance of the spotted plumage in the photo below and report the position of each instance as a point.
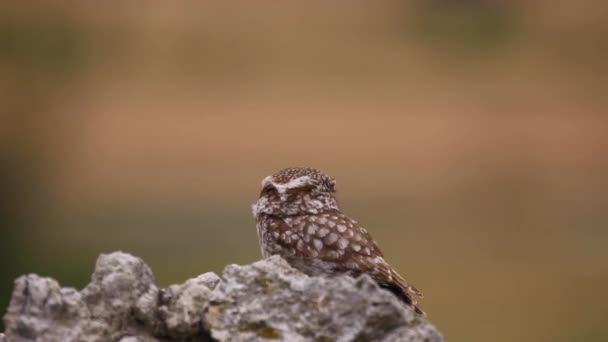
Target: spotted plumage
(298, 218)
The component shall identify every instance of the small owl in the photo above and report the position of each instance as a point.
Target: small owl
(299, 219)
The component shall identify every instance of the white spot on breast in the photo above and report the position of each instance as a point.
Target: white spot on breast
(300, 245)
(323, 232)
(318, 244)
(356, 247)
(275, 235)
(341, 228)
(331, 238)
(302, 225)
(357, 237)
(342, 243)
(322, 220)
(316, 204)
(332, 255)
(366, 251)
(312, 229)
(352, 265)
(331, 224)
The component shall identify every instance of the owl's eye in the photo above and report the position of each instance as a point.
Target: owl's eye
(268, 190)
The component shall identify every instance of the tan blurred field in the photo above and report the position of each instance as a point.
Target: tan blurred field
(469, 137)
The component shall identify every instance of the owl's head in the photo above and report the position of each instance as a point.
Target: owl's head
(296, 190)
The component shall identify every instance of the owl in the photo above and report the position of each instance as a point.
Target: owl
(297, 217)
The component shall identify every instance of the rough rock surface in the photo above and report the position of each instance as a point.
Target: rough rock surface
(267, 300)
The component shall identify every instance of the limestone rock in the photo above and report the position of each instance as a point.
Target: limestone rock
(266, 300)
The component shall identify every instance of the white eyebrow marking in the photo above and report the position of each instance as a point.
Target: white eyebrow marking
(266, 181)
(294, 183)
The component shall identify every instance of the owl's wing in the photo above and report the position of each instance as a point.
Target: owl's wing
(365, 251)
(342, 245)
(356, 252)
(389, 279)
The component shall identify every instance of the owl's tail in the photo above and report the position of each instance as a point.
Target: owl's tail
(391, 280)
(405, 294)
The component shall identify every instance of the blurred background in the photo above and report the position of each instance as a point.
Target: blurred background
(469, 136)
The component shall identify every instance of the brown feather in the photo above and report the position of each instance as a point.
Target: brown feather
(298, 218)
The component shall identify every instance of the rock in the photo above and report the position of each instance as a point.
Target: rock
(271, 300)
(118, 283)
(183, 305)
(40, 307)
(267, 300)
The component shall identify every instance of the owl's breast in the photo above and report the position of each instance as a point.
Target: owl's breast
(299, 240)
